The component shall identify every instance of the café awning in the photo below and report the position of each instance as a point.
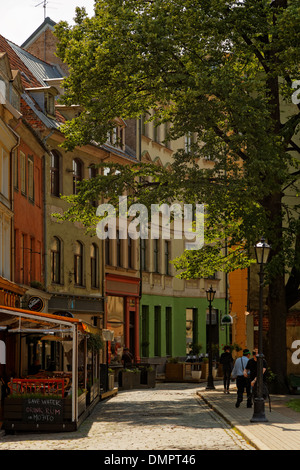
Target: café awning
(18, 320)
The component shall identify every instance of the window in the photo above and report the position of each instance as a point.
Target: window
(156, 256)
(169, 331)
(189, 139)
(56, 260)
(23, 172)
(145, 330)
(49, 103)
(167, 258)
(32, 259)
(94, 265)
(143, 254)
(77, 174)
(157, 330)
(55, 173)
(30, 178)
(93, 172)
(16, 170)
(78, 264)
(107, 251)
(4, 173)
(5, 246)
(23, 257)
(118, 252)
(130, 253)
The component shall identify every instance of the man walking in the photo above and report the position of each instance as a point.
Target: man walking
(242, 382)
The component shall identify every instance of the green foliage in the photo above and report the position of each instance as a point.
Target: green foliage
(294, 404)
(210, 68)
(222, 70)
(195, 348)
(94, 342)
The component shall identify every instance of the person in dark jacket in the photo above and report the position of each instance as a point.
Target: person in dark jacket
(227, 363)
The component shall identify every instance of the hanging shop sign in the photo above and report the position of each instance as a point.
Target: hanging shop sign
(226, 320)
(35, 304)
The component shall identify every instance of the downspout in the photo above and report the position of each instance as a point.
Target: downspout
(75, 375)
(12, 274)
(139, 148)
(45, 213)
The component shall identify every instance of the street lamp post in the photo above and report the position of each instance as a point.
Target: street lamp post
(262, 251)
(210, 295)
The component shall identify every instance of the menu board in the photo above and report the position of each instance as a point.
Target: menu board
(43, 410)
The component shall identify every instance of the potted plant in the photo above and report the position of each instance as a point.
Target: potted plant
(195, 349)
(174, 370)
(129, 378)
(148, 376)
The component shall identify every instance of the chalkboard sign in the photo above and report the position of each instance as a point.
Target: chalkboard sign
(42, 410)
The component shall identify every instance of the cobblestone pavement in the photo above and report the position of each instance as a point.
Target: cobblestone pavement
(168, 417)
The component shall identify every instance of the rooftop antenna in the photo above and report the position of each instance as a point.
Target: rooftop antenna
(44, 3)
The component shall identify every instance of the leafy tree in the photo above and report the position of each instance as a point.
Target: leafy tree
(224, 71)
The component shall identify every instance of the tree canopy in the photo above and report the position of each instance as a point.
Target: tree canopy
(223, 71)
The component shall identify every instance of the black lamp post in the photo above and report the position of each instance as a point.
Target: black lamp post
(210, 295)
(262, 251)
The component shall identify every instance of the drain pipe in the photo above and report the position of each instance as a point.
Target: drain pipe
(12, 160)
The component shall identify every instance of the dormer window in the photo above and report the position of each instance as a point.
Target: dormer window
(49, 103)
(116, 137)
(45, 98)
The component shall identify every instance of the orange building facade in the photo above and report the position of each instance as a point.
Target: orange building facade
(28, 211)
(242, 334)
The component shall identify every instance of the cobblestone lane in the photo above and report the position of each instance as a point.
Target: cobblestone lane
(168, 417)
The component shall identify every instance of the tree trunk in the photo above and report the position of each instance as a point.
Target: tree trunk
(277, 308)
(277, 349)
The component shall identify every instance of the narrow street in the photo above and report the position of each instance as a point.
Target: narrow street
(168, 417)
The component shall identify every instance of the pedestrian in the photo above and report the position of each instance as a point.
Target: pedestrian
(227, 363)
(242, 382)
(127, 358)
(251, 372)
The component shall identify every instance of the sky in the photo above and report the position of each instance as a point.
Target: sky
(20, 18)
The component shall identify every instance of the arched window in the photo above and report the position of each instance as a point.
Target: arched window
(77, 173)
(56, 260)
(55, 173)
(94, 265)
(78, 263)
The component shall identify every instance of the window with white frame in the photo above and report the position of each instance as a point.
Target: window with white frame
(4, 173)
